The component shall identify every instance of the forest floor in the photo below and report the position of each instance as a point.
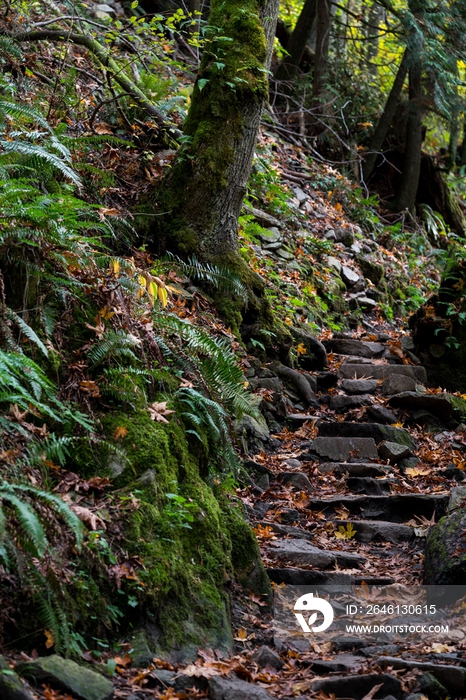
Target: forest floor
(344, 487)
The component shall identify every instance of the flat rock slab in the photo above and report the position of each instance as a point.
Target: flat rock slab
(376, 431)
(378, 413)
(397, 383)
(357, 686)
(356, 468)
(235, 689)
(393, 451)
(369, 530)
(341, 663)
(309, 577)
(345, 403)
(452, 677)
(397, 507)
(371, 371)
(297, 480)
(438, 404)
(348, 560)
(368, 485)
(359, 386)
(358, 348)
(340, 449)
(301, 553)
(81, 682)
(288, 530)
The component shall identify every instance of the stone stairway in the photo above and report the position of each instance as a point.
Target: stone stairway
(347, 464)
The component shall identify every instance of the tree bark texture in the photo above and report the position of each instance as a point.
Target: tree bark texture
(375, 18)
(297, 42)
(386, 119)
(204, 191)
(406, 196)
(322, 45)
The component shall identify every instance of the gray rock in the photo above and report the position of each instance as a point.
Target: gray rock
(365, 371)
(252, 428)
(349, 276)
(334, 262)
(437, 404)
(264, 219)
(432, 687)
(11, 687)
(366, 303)
(341, 449)
(356, 348)
(274, 384)
(366, 430)
(397, 384)
(265, 656)
(393, 508)
(357, 686)
(271, 235)
(310, 577)
(345, 643)
(393, 451)
(103, 11)
(300, 194)
(284, 254)
(348, 560)
(368, 485)
(452, 677)
(441, 567)
(359, 386)
(371, 269)
(296, 420)
(381, 414)
(141, 655)
(344, 235)
(369, 530)
(356, 468)
(316, 355)
(294, 463)
(457, 498)
(288, 530)
(345, 403)
(347, 663)
(300, 552)
(81, 682)
(296, 480)
(235, 689)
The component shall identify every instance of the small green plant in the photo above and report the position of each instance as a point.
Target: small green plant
(178, 511)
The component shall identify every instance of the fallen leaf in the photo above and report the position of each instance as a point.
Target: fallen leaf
(120, 432)
(49, 639)
(88, 517)
(345, 533)
(158, 411)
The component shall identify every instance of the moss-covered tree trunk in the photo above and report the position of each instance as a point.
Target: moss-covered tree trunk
(203, 193)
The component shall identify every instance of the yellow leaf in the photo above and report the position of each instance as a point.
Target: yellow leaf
(345, 533)
(163, 296)
(418, 471)
(301, 350)
(114, 266)
(120, 432)
(49, 639)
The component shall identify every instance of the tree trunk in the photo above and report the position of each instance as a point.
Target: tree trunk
(386, 119)
(283, 34)
(463, 144)
(297, 41)
(204, 191)
(322, 46)
(375, 17)
(406, 196)
(454, 134)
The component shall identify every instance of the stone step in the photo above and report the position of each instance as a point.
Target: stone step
(342, 449)
(379, 530)
(438, 404)
(397, 508)
(355, 468)
(310, 577)
(302, 553)
(377, 431)
(288, 530)
(369, 486)
(359, 348)
(359, 386)
(372, 371)
(358, 686)
(453, 678)
(341, 403)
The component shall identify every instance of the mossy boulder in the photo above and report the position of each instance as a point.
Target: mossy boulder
(11, 687)
(82, 683)
(442, 564)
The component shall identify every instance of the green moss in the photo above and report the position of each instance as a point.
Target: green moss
(459, 407)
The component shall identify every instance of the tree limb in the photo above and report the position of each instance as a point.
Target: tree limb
(170, 131)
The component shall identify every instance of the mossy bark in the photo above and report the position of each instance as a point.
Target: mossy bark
(203, 193)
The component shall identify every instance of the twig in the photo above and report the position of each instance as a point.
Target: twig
(102, 104)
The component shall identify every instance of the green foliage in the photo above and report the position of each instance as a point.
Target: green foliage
(220, 278)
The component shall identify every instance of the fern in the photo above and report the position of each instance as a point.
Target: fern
(28, 331)
(221, 278)
(114, 344)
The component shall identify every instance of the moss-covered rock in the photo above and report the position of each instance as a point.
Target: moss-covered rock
(65, 674)
(442, 565)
